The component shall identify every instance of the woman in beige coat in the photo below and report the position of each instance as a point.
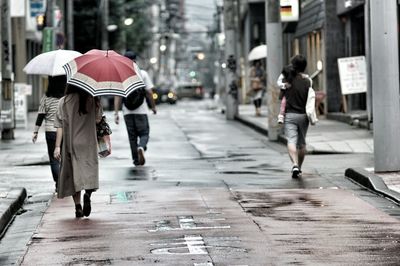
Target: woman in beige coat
(77, 115)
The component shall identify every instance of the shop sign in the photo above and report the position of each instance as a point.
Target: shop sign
(37, 7)
(21, 90)
(289, 10)
(17, 9)
(353, 74)
(48, 39)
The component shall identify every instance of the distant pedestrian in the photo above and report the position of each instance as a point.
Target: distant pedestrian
(257, 85)
(77, 115)
(296, 120)
(47, 112)
(135, 115)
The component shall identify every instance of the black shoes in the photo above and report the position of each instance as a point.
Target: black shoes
(295, 171)
(78, 211)
(87, 208)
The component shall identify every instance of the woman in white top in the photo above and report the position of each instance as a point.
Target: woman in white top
(47, 110)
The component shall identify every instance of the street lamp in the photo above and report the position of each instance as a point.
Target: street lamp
(163, 48)
(128, 21)
(153, 60)
(201, 56)
(112, 27)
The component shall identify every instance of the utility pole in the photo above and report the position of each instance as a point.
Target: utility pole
(104, 31)
(18, 35)
(7, 118)
(231, 86)
(70, 24)
(385, 84)
(274, 64)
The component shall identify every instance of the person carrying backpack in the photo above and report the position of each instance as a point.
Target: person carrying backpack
(135, 110)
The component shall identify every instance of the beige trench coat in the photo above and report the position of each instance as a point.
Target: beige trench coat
(79, 158)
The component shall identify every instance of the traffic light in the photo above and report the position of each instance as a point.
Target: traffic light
(40, 21)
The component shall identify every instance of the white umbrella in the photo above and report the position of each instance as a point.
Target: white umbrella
(50, 63)
(258, 52)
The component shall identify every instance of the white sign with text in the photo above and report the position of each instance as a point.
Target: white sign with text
(353, 74)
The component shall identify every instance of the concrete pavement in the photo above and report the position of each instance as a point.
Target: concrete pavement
(330, 136)
(219, 195)
(13, 153)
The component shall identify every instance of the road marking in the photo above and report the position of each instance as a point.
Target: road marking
(185, 223)
(189, 244)
(124, 196)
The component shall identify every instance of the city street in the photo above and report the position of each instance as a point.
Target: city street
(212, 192)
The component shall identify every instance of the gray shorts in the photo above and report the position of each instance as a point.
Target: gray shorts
(296, 126)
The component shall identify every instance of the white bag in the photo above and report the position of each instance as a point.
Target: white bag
(310, 107)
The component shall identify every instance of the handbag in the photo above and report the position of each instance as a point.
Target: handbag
(103, 132)
(103, 128)
(310, 107)
(102, 147)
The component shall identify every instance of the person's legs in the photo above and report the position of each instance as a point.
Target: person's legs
(257, 104)
(87, 208)
(54, 164)
(291, 132)
(143, 129)
(78, 207)
(283, 106)
(301, 143)
(281, 116)
(132, 135)
(301, 155)
(293, 155)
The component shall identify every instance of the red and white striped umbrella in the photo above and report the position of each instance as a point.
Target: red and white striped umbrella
(104, 73)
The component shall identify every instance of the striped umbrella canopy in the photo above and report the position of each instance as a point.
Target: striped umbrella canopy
(102, 72)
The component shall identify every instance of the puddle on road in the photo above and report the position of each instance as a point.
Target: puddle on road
(266, 204)
(239, 172)
(76, 261)
(142, 174)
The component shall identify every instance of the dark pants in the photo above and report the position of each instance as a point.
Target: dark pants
(257, 102)
(54, 164)
(138, 129)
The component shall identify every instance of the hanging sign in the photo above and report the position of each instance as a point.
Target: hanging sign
(289, 10)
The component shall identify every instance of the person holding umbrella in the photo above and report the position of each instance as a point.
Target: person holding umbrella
(93, 74)
(47, 111)
(77, 115)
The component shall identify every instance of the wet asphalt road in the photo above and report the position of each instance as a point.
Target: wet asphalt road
(213, 192)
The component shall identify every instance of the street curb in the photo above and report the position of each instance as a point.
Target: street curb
(16, 198)
(258, 128)
(372, 182)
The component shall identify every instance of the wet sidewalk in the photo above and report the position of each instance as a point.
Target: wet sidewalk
(334, 137)
(14, 153)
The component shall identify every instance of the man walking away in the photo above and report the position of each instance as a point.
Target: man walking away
(296, 120)
(135, 112)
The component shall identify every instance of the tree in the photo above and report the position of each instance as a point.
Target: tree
(135, 36)
(86, 31)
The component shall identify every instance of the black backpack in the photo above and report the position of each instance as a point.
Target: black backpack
(135, 99)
